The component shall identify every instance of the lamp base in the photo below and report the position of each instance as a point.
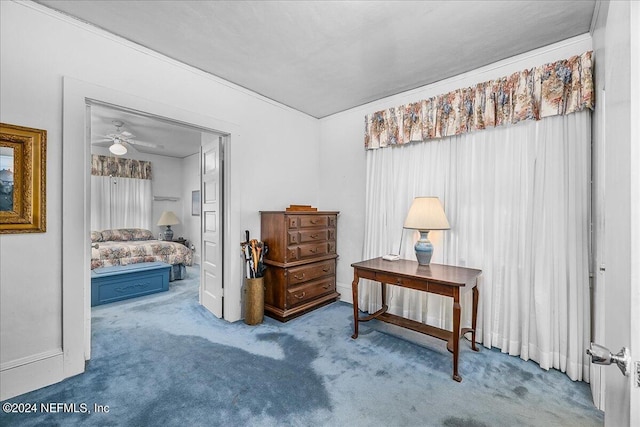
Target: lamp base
(424, 248)
(168, 233)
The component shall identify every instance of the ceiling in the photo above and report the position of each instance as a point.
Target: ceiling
(323, 57)
(175, 140)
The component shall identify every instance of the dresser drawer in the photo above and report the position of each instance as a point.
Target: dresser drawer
(310, 290)
(410, 283)
(297, 253)
(311, 221)
(314, 235)
(293, 238)
(306, 236)
(298, 275)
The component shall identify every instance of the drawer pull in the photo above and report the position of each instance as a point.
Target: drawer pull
(327, 286)
(298, 277)
(302, 295)
(326, 269)
(313, 221)
(399, 281)
(314, 250)
(314, 236)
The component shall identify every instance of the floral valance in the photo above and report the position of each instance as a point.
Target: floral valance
(561, 87)
(119, 167)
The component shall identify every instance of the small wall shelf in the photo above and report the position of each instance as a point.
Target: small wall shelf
(165, 199)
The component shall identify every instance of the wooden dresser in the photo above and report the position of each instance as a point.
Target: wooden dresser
(301, 262)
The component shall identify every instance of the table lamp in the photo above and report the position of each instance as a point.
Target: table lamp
(168, 218)
(426, 214)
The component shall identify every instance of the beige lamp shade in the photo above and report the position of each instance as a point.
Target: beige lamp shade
(168, 218)
(426, 213)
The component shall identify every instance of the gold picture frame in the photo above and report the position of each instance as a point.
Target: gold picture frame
(23, 161)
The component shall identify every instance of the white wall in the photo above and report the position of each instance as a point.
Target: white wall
(191, 224)
(40, 47)
(342, 139)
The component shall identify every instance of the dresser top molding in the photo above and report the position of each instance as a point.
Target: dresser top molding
(302, 212)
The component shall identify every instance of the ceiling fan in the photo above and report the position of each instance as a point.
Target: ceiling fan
(121, 139)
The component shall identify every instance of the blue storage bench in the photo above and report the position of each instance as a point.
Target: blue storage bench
(110, 284)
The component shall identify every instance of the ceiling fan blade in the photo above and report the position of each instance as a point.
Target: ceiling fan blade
(95, 141)
(104, 143)
(145, 144)
(129, 146)
(127, 134)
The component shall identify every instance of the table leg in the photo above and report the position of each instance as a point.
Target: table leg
(456, 335)
(383, 289)
(354, 293)
(474, 318)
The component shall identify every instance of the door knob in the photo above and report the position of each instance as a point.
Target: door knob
(602, 356)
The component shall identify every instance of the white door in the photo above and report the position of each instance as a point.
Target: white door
(211, 290)
(622, 214)
(634, 315)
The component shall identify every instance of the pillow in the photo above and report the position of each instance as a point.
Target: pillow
(96, 236)
(142, 234)
(126, 234)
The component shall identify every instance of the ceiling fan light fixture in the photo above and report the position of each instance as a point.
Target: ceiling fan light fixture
(117, 148)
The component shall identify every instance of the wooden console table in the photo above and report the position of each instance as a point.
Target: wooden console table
(438, 279)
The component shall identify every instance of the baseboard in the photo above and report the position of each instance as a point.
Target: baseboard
(345, 292)
(30, 373)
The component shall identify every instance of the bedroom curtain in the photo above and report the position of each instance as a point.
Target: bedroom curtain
(121, 193)
(558, 88)
(518, 201)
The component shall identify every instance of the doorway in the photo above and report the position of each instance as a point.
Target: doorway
(78, 98)
(185, 161)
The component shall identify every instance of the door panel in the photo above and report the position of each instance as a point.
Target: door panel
(211, 289)
(621, 207)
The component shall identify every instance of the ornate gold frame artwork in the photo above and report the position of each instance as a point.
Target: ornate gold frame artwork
(23, 160)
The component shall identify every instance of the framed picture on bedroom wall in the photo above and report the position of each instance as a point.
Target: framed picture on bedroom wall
(23, 158)
(195, 203)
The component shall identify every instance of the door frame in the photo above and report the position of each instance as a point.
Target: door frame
(634, 389)
(76, 220)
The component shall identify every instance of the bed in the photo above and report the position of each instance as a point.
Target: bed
(124, 246)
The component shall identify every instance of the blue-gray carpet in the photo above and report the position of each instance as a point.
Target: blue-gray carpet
(163, 360)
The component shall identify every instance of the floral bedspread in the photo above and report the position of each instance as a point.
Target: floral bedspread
(130, 252)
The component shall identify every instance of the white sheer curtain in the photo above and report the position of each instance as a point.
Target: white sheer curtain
(120, 203)
(518, 200)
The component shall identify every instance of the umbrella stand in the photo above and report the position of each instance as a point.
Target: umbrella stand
(253, 252)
